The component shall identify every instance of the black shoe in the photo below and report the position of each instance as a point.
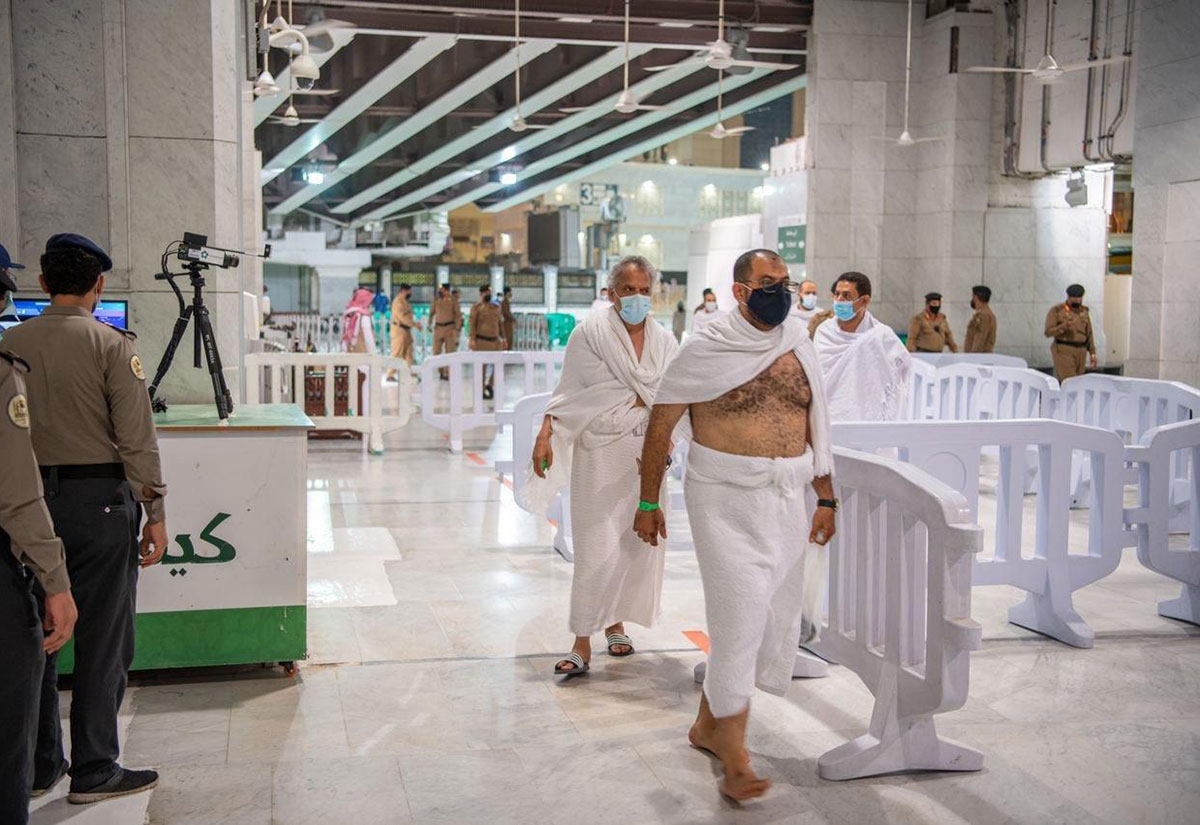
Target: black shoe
(124, 783)
(49, 786)
(488, 393)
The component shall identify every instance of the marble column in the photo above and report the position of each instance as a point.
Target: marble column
(1165, 321)
(335, 286)
(129, 122)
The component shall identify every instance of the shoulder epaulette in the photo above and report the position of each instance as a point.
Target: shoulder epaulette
(128, 333)
(16, 360)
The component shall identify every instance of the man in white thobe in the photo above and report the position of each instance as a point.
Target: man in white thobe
(752, 388)
(865, 365)
(591, 439)
(806, 307)
(602, 303)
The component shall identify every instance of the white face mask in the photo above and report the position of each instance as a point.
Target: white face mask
(710, 306)
(809, 301)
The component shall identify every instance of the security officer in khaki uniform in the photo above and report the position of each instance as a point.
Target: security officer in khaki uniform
(93, 433)
(981, 329)
(1070, 325)
(929, 331)
(486, 331)
(28, 549)
(443, 322)
(509, 320)
(402, 324)
(821, 315)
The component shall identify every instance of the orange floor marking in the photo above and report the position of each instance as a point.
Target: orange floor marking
(697, 637)
(474, 457)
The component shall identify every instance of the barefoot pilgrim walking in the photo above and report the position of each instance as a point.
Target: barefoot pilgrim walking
(591, 438)
(761, 435)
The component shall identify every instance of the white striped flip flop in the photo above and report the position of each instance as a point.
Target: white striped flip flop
(614, 639)
(580, 668)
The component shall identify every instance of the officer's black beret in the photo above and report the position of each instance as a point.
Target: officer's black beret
(64, 240)
(1075, 291)
(933, 296)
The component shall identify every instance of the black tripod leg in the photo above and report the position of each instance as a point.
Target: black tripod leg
(168, 355)
(220, 389)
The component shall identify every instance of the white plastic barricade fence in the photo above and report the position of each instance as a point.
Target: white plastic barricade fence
(527, 420)
(1131, 407)
(922, 383)
(281, 378)
(1164, 452)
(899, 614)
(976, 392)
(991, 359)
(950, 451)
(454, 413)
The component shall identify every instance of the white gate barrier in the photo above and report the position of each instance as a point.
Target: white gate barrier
(1164, 453)
(922, 382)
(1130, 407)
(972, 392)
(991, 359)
(950, 451)
(281, 378)
(455, 414)
(527, 420)
(899, 614)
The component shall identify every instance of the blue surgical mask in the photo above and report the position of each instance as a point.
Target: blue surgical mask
(809, 301)
(843, 310)
(635, 308)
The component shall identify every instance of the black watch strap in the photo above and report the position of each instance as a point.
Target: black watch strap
(831, 503)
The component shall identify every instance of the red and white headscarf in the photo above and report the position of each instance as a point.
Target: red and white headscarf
(359, 307)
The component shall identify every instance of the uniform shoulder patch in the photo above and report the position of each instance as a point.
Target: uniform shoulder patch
(135, 366)
(18, 411)
(17, 361)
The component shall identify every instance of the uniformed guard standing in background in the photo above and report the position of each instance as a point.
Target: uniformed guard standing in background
(1070, 325)
(402, 324)
(487, 333)
(93, 433)
(929, 331)
(443, 322)
(28, 549)
(821, 315)
(459, 319)
(981, 329)
(508, 319)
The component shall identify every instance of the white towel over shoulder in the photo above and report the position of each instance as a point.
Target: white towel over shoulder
(866, 371)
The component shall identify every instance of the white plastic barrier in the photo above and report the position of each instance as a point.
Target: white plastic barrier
(899, 614)
(922, 382)
(527, 420)
(1165, 452)
(1130, 407)
(950, 451)
(455, 413)
(991, 359)
(975, 392)
(280, 378)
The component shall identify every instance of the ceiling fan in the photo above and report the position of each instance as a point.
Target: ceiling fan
(518, 124)
(627, 102)
(719, 131)
(291, 117)
(906, 138)
(720, 54)
(1049, 70)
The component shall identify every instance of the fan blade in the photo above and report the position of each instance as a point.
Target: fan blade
(997, 70)
(739, 130)
(574, 109)
(1092, 64)
(644, 107)
(315, 92)
(688, 62)
(757, 64)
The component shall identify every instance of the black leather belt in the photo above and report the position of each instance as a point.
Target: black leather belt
(485, 338)
(444, 323)
(79, 471)
(1071, 343)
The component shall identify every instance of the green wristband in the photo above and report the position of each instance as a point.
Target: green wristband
(647, 506)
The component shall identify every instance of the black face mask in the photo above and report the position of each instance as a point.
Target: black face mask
(1074, 304)
(770, 307)
(934, 309)
(487, 298)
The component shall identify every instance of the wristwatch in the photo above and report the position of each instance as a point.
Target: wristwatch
(832, 503)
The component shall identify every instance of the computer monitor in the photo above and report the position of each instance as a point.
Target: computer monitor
(115, 313)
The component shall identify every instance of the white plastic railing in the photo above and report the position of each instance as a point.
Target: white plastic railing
(922, 385)
(950, 451)
(1168, 466)
(975, 392)
(991, 359)
(899, 614)
(1130, 407)
(527, 420)
(463, 407)
(280, 378)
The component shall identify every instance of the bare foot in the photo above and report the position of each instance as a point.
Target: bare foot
(582, 646)
(619, 650)
(725, 740)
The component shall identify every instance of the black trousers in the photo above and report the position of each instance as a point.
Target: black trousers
(21, 643)
(97, 519)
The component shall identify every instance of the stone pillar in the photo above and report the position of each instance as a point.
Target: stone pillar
(127, 120)
(1165, 322)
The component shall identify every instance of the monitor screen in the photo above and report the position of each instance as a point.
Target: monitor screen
(115, 313)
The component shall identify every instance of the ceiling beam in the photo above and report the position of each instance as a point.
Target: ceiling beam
(399, 70)
(730, 110)
(656, 11)
(530, 141)
(477, 83)
(263, 106)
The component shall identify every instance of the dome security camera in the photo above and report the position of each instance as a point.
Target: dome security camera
(305, 70)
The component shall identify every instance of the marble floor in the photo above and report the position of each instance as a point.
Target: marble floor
(437, 610)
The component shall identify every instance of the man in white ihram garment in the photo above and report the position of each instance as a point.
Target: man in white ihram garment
(602, 303)
(866, 368)
(591, 438)
(806, 302)
(761, 435)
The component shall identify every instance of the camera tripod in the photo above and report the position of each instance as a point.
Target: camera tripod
(204, 339)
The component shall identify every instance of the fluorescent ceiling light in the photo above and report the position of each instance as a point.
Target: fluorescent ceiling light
(574, 20)
(509, 153)
(674, 25)
(766, 29)
(508, 178)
